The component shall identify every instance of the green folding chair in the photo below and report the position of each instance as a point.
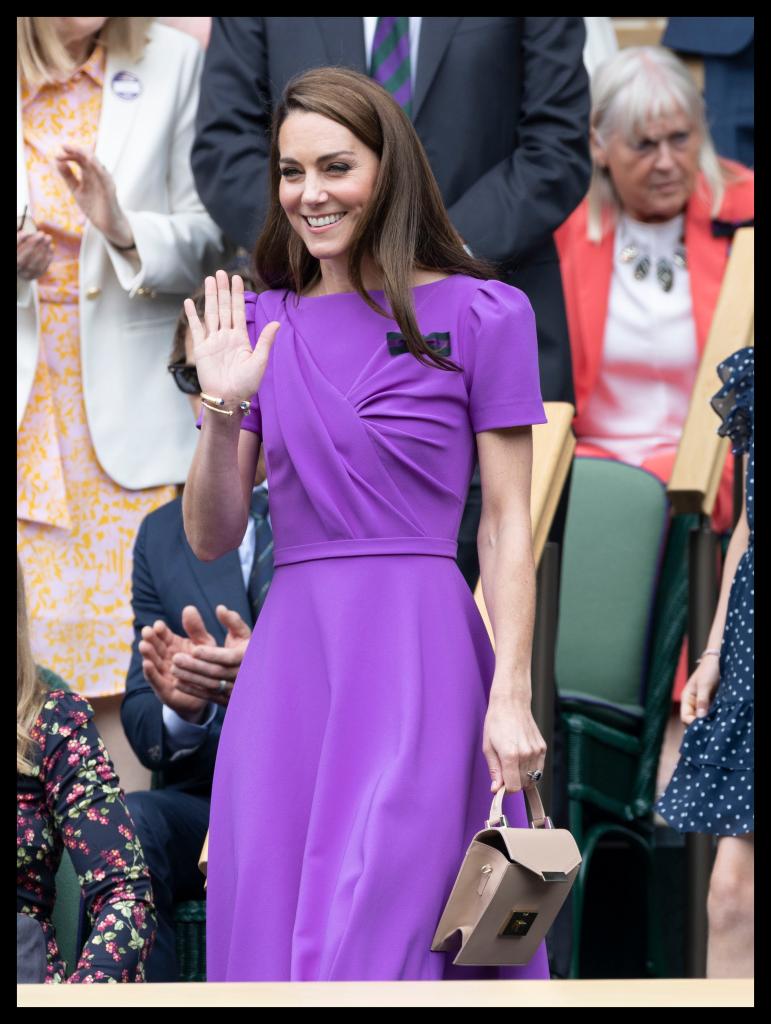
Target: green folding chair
(623, 610)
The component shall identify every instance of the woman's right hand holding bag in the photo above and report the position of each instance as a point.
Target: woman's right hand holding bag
(227, 367)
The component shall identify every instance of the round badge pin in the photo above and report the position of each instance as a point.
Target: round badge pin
(126, 86)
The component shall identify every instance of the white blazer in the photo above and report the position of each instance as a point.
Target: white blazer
(141, 426)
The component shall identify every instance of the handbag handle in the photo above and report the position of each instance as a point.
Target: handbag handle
(535, 812)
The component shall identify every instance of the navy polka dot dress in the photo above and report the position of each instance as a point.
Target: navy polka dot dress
(712, 789)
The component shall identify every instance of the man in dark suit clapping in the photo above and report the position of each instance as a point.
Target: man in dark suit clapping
(192, 623)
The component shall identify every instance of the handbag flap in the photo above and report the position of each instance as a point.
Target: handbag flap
(537, 849)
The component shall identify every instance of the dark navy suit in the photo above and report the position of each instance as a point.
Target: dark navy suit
(727, 48)
(172, 820)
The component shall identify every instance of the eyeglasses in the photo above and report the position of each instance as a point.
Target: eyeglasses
(186, 378)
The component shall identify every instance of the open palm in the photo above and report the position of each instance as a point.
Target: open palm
(227, 366)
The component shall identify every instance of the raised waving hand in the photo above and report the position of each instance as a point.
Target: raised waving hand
(227, 366)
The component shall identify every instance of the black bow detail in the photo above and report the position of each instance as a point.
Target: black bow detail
(728, 228)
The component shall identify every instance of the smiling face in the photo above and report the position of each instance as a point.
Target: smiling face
(327, 180)
(655, 172)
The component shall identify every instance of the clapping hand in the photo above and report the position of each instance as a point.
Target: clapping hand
(94, 192)
(227, 367)
(201, 671)
(185, 671)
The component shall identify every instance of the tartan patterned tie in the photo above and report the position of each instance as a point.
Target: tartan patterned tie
(391, 59)
(262, 566)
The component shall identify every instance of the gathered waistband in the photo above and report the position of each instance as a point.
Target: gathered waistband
(351, 547)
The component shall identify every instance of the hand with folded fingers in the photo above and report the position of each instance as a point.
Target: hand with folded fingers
(699, 691)
(158, 647)
(208, 671)
(34, 252)
(94, 191)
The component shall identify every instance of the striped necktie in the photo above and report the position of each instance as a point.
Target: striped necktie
(391, 59)
(262, 566)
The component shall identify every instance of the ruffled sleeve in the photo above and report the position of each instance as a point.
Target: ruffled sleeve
(735, 401)
(500, 359)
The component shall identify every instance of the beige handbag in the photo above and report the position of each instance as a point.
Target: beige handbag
(510, 887)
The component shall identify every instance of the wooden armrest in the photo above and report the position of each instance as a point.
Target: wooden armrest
(553, 447)
(701, 453)
(203, 860)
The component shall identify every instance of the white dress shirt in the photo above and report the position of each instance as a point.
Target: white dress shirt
(650, 356)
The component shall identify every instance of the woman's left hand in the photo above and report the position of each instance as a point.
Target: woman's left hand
(512, 743)
(94, 192)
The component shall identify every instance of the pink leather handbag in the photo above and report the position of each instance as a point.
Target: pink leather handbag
(510, 887)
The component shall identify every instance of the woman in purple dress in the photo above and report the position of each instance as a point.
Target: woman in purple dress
(370, 722)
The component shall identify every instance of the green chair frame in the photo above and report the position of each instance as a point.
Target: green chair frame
(613, 751)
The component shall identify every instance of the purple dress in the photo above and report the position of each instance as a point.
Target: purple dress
(350, 777)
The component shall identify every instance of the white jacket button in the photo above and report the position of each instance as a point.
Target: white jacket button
(93, 293)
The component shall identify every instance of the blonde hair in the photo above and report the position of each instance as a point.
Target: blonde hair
(30, 689)
(628, 89)
(41, 56)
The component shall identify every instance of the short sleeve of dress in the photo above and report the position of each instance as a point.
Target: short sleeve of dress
(500, 359)
(256, 319)
(734, 402)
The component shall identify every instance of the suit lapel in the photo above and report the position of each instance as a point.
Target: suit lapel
(221, 582)
(118, 115)
(344, 42)
(435, 35)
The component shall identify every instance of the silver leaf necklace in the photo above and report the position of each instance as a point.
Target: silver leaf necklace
(640, 256)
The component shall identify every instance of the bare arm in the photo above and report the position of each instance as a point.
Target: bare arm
(214, 508)
(736, 548)
(215, 505)
(513, 744)
(700, 689)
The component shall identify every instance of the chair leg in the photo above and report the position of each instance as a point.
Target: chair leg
(654, 965)
(576, 816)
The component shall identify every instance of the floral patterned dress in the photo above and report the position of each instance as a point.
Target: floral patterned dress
(73, 799)
(76, 526)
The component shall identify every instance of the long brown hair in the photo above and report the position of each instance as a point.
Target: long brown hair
(405, 225)
(30, 689)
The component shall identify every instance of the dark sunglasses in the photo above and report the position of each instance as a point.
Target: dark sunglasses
(186, 378)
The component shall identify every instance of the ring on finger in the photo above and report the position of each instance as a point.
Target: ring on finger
(535, 775)
(223, 687)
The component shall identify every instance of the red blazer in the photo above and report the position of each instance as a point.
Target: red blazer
(586, 274)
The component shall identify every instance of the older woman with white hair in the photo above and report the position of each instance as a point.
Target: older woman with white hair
(642, 261)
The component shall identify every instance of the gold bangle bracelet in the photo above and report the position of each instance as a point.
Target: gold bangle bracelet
(211, 398)
(243, 407)
(214, 408)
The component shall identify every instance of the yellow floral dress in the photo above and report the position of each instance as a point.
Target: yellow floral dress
(76, 526)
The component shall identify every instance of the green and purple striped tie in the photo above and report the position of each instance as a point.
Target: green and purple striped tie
(391, 59)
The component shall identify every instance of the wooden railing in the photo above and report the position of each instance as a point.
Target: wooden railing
(701, 454)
